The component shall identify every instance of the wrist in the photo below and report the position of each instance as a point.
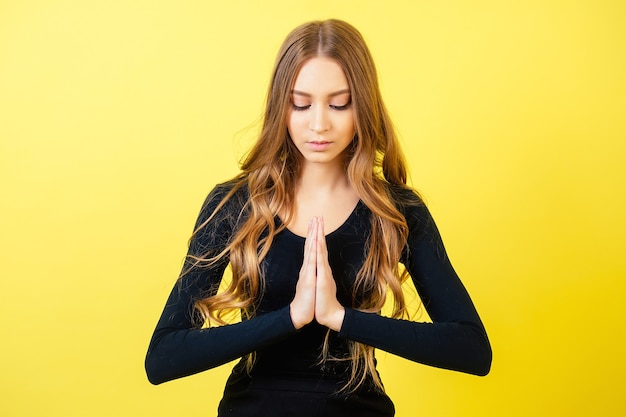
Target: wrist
(297, 319)
(335, 321)
(294, 321)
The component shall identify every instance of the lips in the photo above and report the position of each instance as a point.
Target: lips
(319, 145)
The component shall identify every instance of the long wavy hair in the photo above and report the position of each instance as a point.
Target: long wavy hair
(374, 165)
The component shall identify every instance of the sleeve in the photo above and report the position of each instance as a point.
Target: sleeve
(178, 346)
(456, 339)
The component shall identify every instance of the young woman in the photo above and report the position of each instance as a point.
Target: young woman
(314, 228)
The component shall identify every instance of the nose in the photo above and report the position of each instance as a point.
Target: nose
(320, 121)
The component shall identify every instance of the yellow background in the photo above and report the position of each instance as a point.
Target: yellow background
(117, 117)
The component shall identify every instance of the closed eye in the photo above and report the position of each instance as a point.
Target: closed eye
(332, 106)
(344, 107)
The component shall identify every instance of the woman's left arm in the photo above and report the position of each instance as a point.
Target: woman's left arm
(456, 338)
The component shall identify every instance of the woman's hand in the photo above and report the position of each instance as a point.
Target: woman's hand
(302, 308)
(328, 311)
(316, 291)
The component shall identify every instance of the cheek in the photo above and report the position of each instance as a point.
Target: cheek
(348, 125)
(298, 126)
(294, 127)
(293, 120)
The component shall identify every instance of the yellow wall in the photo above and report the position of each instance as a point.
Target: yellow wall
(117, 117)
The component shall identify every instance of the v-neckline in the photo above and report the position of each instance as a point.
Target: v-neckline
(330, 234)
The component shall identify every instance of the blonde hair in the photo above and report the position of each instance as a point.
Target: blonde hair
(374, 166)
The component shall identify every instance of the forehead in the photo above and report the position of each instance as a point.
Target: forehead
(320, 76)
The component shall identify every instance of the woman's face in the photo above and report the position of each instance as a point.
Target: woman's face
(321, 118)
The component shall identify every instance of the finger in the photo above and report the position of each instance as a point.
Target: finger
(310, 255)
(310, 234)
(321, 246)
(323, 267)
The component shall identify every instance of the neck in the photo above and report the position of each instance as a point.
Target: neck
(324, 178)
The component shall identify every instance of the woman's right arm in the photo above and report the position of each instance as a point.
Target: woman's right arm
(178, 346)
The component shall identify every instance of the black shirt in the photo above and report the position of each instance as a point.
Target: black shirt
(455, 339)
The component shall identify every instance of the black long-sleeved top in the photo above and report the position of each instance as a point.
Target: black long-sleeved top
(455, 339)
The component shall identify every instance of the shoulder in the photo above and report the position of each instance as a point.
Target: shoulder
(233, 192)
(412, 206)
(225, 202)
(236, 187)
(407, 200)
(404, 196)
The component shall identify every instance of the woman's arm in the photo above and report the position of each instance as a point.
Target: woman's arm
(456, 339)
(178, 346)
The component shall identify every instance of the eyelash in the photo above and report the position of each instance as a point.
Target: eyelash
(303, 108)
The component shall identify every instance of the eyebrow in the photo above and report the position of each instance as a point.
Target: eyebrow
(336, 93)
